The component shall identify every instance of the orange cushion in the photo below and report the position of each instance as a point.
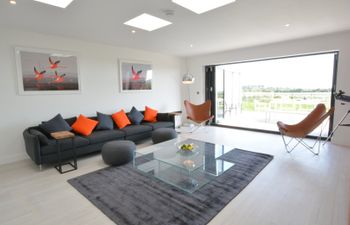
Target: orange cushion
(150, 114)
(121, 119)
(84, 125)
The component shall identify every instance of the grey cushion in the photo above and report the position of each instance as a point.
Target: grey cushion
(135, 116)
(65, 145)
(99, 136)
(55, 124)
(136, 129)
(117, 153)
(44, 140)
(105, 122)
(159, 124)
(163, 134)
(71, 120)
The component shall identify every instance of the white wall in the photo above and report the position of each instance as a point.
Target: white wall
(337, 41)
(100, 86)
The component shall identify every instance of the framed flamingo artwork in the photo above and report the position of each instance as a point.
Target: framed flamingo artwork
(135, 76)
(46, 72)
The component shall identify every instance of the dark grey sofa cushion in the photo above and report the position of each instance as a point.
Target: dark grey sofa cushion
(105, 122)
(65, 145)
(136, 129)
(135, 116)
(160, 124)
(99, 136)
(55, 124)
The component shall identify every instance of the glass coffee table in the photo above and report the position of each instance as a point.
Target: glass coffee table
(187, 170)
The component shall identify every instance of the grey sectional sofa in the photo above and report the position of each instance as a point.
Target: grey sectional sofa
(42, 149)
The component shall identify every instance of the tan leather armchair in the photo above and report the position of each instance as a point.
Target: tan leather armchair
(303, 128)
(199, 113)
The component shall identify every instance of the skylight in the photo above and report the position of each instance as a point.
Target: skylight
(147, 22)
(201, 6)
(57, 3)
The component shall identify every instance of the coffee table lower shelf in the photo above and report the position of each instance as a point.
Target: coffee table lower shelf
(178, 176)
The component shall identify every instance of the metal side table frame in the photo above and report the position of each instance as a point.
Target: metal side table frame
(73, 164)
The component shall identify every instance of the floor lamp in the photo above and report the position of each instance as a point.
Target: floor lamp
(188, 79)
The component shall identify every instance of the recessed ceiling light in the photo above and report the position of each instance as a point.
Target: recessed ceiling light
(58, 3)
(147, 22)
(133, 31)
(287, 25)
(13, 2)
(201, 6)
(191, 45)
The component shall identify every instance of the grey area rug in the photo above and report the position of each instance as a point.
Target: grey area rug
(128, 197)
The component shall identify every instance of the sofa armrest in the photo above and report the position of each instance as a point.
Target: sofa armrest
(166, 117)
(32, 145)
(43, 139)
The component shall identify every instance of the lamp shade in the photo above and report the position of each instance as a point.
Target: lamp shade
(187, 79)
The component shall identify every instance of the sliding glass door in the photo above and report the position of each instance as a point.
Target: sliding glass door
(257, 94)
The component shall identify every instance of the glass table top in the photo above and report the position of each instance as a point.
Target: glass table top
(187, 170)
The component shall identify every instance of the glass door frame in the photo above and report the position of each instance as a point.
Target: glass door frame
(210, 88)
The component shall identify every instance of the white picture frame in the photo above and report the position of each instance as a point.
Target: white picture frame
(47, 72)
(135, 76)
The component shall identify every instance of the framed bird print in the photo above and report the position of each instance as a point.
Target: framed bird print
(46, 71)
(135, 76)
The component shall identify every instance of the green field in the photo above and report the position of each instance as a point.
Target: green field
(281, 101)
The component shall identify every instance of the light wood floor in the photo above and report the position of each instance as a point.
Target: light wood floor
(294, 189)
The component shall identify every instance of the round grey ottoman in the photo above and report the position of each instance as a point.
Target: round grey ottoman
(163, 134)
(116, 153)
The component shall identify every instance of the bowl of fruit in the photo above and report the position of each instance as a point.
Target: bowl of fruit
(187, 147)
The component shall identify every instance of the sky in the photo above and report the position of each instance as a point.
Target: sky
(308, 72)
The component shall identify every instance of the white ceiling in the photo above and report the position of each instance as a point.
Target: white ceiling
(240, 24)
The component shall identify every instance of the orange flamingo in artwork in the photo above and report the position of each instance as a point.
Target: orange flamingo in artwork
(54, 64)
(39, 75)
(135, 75)
(59, 78)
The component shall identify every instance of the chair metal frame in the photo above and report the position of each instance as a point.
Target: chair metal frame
(200, 125)
(302, 142)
